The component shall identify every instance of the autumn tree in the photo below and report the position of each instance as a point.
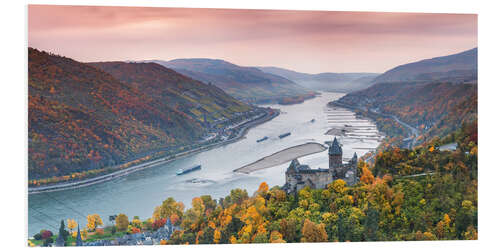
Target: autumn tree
(288, 229)
(367, 176)
(93, 221)
(313, 233)
(121, 222)
(71, 224)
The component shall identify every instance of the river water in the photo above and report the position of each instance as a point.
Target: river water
(139, 192)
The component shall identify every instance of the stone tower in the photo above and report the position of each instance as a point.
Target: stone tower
(334, 157)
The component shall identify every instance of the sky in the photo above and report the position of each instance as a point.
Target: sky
(304, 41)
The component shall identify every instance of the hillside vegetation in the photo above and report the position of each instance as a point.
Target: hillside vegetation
(460, 67)
(82, 119)
(248, 84)
(436, 107)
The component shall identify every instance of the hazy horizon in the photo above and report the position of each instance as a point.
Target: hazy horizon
(302, 41)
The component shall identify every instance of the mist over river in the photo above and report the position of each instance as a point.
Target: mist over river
(139, 192)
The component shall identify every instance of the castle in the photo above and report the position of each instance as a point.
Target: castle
(299, 176)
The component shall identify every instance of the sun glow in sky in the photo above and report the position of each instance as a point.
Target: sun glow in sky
(305, 41)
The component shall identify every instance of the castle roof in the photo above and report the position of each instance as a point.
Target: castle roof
(296, 167)
(335, 148)
(79, 238)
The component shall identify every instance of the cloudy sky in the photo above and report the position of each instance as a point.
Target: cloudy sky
(305, 41)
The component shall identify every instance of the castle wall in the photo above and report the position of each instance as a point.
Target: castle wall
(320, 178)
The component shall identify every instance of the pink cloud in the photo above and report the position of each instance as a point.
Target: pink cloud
(309, 41)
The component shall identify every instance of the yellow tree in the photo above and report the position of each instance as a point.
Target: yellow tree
(93, 221)
(263, 189)
(217, 235)
(276, 237)
(71, 224)
(169, 207)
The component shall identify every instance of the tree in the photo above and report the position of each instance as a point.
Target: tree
(276, 237)
(169, 207)
(207, 236)
(371, 224)
(93, 221)
(71, 224)
(367, 176)
(313, 233)
(288, 229)
(263, 189)
(121, 222)
(63, 231)
(238, 196)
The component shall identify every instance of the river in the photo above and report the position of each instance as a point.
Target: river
(139, 192)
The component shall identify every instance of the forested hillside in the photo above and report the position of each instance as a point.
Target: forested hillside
(248, 84)
(419, 194)
(461, 67)
(82, 119)
(192, 97)
(434, 106)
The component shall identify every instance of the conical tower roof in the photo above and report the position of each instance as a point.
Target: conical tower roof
(293, 165)
(335, 148)
(79, 238)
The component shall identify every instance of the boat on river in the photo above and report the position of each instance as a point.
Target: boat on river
(191, 169)
(262, 139)
(284, 135)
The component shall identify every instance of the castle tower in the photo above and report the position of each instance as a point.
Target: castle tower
(79, 237)
(354, 159)
(334, 157)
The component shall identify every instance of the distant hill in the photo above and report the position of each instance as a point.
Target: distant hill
(435, 95)
(460, 67)
(81, 118)
(248, 84)
(339, 82)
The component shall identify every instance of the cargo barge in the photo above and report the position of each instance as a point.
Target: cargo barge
(191, 169)
(263, 139)
(284, 135)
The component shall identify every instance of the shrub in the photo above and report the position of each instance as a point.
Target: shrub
(48, 241)
(99, 231)
(37, 236)
(159, 223)
(136, 230)
(46, 234)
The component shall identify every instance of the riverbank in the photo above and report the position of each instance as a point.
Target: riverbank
(413, 133)
(242, 130)
(282, 157)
